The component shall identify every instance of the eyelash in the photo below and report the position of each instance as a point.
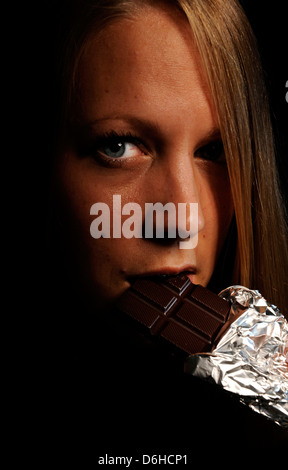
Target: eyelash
(113, 136)
(213, 151)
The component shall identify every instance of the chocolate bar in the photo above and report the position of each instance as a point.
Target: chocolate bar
(174, 309)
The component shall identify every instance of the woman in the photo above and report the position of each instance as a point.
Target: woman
(161, 101)
(241, 180)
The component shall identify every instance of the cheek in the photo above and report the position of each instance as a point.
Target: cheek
(224, 203)
(217, 205)
(99, 262)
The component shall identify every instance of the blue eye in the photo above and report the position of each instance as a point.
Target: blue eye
(112, 148)
(120, 146)
(115, 149)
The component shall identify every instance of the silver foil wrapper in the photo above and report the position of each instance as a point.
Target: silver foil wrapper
(251, 357)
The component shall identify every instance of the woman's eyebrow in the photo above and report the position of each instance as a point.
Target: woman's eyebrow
(145, 125)
(141, 125)
(126, 120)
(213, 133)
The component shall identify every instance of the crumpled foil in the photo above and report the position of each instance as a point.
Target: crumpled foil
(251, 358)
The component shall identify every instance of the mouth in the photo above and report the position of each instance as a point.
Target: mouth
(165, 272)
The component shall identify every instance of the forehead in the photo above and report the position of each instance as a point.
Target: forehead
(148, 58)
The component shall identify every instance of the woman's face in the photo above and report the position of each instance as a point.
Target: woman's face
(143, 128)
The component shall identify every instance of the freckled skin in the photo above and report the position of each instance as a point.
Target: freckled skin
(132, 80)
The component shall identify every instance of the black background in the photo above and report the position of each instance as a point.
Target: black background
(269, 21)
(29, 44)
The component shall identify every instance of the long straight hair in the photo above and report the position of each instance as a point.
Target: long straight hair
(228, 51)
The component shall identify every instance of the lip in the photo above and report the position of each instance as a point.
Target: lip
(167, 271)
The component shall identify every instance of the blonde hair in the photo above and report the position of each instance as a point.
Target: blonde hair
(230, 59)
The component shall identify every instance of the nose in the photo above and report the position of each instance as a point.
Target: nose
(175, 212)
